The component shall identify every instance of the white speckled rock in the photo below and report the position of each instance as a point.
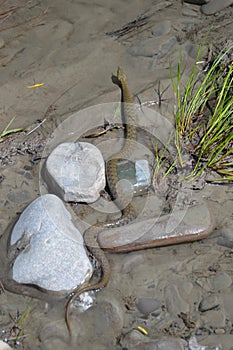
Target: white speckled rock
(75, 171)
(51, 252)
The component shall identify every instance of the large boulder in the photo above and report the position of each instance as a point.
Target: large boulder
(51, 251)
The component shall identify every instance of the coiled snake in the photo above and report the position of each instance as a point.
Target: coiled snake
(128, 212)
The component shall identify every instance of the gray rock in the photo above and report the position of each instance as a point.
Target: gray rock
(104, 322)
(186, 288)
(226, 237)
(173, 301)
(76, 172)
(215, 6)
(153, 47)
(219, 331)
(228, 305)
(163, 50)
(148, 305)
(192, 50)
(51, 252)
(134, 340)
(190, 12)
(196, 2)
(195, 345)
(215, 342)
(143, 175)
(214, 319)
(4, 346)
(146, 48)
(135, 177)
(181, 225)
(221, 281)
(162, 28)
(20, 196)
(209, 303)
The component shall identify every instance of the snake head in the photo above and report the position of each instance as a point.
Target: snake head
(119, 78)
(120, 74)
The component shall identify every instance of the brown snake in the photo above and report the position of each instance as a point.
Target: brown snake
(128, 213)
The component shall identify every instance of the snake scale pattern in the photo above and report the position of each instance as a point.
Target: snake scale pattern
(128, 212)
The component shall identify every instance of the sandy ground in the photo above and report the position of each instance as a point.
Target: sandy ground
(72, 48)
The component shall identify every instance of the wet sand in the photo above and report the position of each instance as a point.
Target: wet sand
(64, 46)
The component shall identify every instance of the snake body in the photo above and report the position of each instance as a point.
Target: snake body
(128, 212)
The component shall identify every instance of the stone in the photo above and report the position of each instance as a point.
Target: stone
(209, 303)
(195, 345)
(148, 305)
(50, 248)
(135, 340)
(142, 173)
(135, 177)
(152, 47)
(196, 2)
(226, 237)
(146, 48)
(219, 331)
(4, 346)
(173, 301)
(189, 225)
(104, 322)
(221, 281)
(186, 288)
(161, 28)
(75, 171)
(20, 196)
(163, 50)
(214, 319)
(190, 12)
(216, 342)
(215, 6)
(228, 305)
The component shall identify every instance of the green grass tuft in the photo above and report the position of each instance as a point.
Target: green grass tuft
(7, 131)
(204, 116)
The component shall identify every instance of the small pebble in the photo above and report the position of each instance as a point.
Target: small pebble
(221, 281)
(135, 340)
(162, 28)
(148, 305)
(214, 319)
(174, 303)
(186, 288)
(226, 237)
(209, 303)
(20, 196)
(219, 331)
(189, 12)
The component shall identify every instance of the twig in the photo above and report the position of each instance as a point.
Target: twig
(130, 26)
(2, 288)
